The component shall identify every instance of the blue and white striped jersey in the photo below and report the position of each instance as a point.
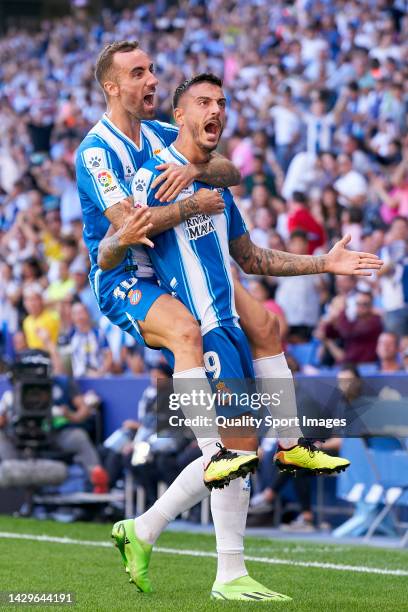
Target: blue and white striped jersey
(106, 162)
(192, 260)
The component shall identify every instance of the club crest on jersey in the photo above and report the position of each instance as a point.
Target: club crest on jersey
(95, 161)
(140, 185)
(120, 291)
(198, 226)
(134, 295)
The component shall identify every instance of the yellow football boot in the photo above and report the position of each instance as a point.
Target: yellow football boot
(226, 466)
(308, 458)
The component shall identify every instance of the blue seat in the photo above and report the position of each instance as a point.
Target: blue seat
(305, 353)
(384, 444)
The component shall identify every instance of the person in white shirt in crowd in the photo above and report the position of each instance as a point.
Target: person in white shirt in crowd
(351, 185)
(393, 278)
(300, 298)
(287, 128)
(263, 223)
(90, 352)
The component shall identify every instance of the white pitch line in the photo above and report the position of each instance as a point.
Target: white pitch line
(201, 553)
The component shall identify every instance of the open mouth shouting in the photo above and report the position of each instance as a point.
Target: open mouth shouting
(212, 129)
(148, 100)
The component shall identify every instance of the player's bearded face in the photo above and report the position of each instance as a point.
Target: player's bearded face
(137, 84)
(205, 115)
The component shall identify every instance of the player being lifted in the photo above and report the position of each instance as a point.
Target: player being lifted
(107, 159)
(196, 265)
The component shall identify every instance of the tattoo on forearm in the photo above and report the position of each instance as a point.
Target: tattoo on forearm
(255, 260)
(118, 213)
(188, 208)
(168, 216)
(110, 253)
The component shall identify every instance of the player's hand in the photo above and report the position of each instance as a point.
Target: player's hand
(136, 227)
(210, 201)
(340, 260)
(172, 180)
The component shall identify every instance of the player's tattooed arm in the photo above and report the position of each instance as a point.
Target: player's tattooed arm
(110, 252)
(339, 260)
(162, 218)
(204, 201)
(218, 171)
(134, 227)
(173, 178)
(256, 260)
(131, 226)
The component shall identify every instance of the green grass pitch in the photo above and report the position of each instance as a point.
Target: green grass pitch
(182, 583)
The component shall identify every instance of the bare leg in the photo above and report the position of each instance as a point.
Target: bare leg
(260, 325)
(169, 324)
(262, 329)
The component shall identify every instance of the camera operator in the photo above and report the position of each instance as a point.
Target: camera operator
(68, 413)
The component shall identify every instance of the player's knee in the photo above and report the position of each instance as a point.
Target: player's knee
(186, 334)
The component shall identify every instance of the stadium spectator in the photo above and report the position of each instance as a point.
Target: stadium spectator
(329, 212)
(40, 322)
(393, 278)
(263, 223)
(261, 175)
(357, 337)
(79, 272)
(299, 296)
(118, 448)
(90, 352)
(387, 353)
(63, 286)
(287, 128)
(300, 218)
(350, 185)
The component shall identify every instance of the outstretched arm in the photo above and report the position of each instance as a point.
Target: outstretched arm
(218, 172)
(255, 260)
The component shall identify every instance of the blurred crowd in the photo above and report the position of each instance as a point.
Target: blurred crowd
(317, 98)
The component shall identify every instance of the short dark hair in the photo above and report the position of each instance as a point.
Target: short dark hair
(350, 367)
(204, 77)
(299, 234)
(300, 197)
(105, 58)
(399, 218)
(366, 294)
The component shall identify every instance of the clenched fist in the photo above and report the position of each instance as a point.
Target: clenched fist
(209, 201)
